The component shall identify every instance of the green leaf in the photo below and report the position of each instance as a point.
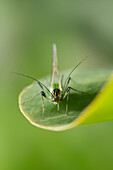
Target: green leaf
(95, 105)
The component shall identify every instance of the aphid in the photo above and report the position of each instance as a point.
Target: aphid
(57, 91)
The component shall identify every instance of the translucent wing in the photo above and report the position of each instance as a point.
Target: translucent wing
(55, 78)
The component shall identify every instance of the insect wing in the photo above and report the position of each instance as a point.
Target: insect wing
(55, 78)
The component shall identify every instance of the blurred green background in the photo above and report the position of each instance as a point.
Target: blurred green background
(27, 31)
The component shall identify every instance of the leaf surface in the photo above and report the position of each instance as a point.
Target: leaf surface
(95, 105)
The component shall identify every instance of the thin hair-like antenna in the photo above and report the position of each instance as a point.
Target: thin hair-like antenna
(39, 83)
(72, 71)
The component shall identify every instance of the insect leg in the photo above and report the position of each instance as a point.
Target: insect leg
(72, 88)
(67, 87)
(43, 95)
(76, 90)
(68, 92)
(43, 106)
(68, 81)
(58, 107)
(30, 98)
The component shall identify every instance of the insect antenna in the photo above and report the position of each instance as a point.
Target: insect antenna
(72, 72)
(39, 83)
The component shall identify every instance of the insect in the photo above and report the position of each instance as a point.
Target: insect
(57, 91)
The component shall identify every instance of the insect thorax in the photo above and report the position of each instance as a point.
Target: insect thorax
(57, 93)
(55, 86)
